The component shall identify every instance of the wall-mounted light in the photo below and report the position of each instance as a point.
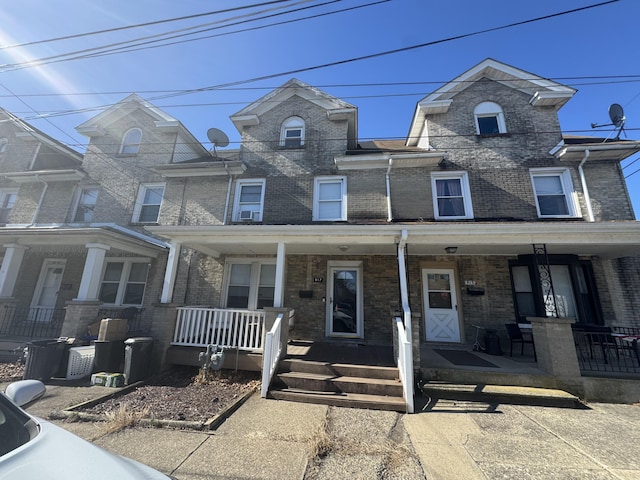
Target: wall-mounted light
(451, 249)
(343, 248)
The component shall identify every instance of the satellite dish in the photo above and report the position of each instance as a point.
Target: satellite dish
(616, 114)
(217, 138)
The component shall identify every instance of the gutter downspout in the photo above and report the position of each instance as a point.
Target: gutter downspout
(389, 213)
(226, 202)
(585, 189)
(44, 191)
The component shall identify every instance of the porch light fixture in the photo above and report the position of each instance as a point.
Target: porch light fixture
(451, 249)
(343, 248)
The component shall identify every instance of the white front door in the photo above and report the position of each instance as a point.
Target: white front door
(441, 305)
(46, 293)
(344, 300)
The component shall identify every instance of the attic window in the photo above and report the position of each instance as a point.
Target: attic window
(489, 119)
(131, 142)
(3, 145)
(292, 133)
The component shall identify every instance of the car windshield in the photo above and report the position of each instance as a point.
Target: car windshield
(16, 427)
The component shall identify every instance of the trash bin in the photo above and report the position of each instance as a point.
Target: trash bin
(137, 358)
(43, 359)
(109, 355)
(492, 343)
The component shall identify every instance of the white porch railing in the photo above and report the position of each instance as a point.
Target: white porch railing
(271, 355)
(405, 362)
(201, 326)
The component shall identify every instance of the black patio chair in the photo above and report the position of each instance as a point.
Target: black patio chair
(516, 336)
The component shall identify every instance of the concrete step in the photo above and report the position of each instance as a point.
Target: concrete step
(515, 395)
(346, 384)
(350, 400)
(338, 369)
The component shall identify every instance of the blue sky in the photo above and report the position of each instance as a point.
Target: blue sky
(593, 50)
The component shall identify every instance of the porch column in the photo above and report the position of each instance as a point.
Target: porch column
(278, 294)
(170, 272)
(556, 351)
(91, 276)
(10, 268)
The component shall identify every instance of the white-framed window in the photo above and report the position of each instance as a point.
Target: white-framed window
(451, 195)
(8, 197)
(3, 145)
(249, 200)
(87, 198)
(124, 281)
(147, 207)
(249, 283)
(292, 133)
(554, 193)
(489, 119)
(330, 198)
(131, 142)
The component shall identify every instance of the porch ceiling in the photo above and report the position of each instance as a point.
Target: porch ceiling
(607, 240)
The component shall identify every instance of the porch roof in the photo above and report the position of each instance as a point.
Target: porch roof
(118, 238)
(606, 239)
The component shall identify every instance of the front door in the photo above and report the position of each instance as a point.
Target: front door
(344, 300)
(46, 294)
(441, 305)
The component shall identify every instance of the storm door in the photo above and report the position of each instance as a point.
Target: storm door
(46, 293)
(344, 300)
(441, 305)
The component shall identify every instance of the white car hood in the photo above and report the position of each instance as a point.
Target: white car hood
(57, 454)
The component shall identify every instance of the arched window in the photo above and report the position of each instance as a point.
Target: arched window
(292, 133)
(489, 119)
(131, 142)
(3, 145)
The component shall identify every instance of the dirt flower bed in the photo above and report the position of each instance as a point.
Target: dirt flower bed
(183, 393)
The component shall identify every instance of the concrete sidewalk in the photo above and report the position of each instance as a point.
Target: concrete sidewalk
(268, 439)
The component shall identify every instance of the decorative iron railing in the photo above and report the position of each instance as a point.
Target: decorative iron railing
(603, 349)
(31, 322)
(202, 326)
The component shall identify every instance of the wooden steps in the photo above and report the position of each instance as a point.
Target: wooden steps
(338, 384)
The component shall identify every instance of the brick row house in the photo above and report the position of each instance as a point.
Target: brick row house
(460, 224)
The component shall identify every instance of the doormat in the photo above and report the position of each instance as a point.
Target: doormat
(466, 359)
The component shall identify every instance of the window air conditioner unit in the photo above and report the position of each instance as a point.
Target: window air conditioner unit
(249, 215)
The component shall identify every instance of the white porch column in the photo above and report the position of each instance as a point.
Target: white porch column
(278, 294)
(170, 272)
(10, 268)
(91, 276)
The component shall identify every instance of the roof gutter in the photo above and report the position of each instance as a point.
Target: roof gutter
(585, 189)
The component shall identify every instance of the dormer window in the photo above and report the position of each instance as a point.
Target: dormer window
(292, 133)
(131, 142)
(489, 119)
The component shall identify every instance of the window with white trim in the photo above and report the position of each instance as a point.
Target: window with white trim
(124, 281)
(131, 142)
(87, 199)
(249, 200)
(330, 199)
(451, 195)
(292, 133)
(250, 283)
(489, 119)
(8, 197)
(554, 193)
(147, 207)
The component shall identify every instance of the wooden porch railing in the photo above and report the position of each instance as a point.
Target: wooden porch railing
(405, 362)
(271, 355)
(202, 326)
